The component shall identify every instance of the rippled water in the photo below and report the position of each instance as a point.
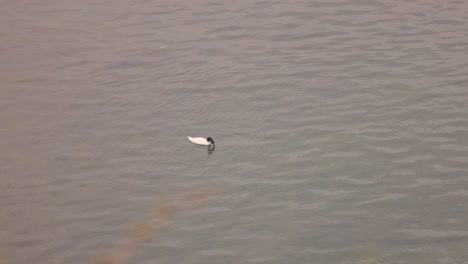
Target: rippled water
(340, 128)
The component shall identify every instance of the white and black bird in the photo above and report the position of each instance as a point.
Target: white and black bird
(202, 141)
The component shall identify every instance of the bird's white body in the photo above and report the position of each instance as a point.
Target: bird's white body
(199, 141)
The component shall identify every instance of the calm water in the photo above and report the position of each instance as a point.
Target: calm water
(341, 131)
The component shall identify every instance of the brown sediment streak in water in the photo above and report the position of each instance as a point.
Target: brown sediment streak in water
(2, 259)
(161, 215)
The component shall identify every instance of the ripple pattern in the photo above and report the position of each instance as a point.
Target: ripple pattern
(341, 130)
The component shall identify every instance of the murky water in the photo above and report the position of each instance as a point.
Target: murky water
(340, 127)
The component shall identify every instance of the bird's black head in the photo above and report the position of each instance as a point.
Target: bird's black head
(209, 139)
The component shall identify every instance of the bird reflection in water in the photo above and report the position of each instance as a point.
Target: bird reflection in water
(211, 149)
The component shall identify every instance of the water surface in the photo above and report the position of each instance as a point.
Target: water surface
(341, 131)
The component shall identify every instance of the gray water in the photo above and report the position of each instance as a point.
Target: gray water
(340, 128)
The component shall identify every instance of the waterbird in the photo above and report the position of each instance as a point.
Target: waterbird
(202, 141)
